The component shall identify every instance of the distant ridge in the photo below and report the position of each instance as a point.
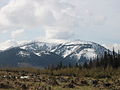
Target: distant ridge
(42, 54)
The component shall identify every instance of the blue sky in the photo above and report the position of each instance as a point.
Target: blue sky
(90, 20)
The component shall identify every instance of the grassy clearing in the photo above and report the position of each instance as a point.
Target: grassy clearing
(62, 79)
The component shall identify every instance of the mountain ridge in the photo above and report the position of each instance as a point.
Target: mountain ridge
(42, 54)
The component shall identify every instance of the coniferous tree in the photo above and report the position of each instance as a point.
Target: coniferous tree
(85, 65)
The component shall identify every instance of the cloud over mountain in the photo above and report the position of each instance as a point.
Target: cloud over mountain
(17, 33)
(62, 19)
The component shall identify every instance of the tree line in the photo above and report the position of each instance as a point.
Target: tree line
(108, 60)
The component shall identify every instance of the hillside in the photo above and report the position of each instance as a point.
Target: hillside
(42, 54)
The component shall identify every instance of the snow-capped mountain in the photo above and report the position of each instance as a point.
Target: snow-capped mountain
(73, 48)
(45, 53)
(76, 51)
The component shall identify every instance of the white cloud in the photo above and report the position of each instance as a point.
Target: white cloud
(56, 17)
(3, 32)
(115, 46)
(61, 19)
(17, 33)
(11, 43)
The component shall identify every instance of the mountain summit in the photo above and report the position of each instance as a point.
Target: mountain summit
(42, 54)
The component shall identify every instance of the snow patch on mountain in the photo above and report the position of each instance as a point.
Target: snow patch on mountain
(89, 53)
(38, 54)
(24, 54)
(69, 50)
(77, 42)
(75, 50)
(38, 46)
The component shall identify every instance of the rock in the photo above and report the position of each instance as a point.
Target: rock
(5, 86)
(69, 86)
(24, 86)
(61, 79)
(53, 83)
(44, 88)
(107, 84)
(41, 88)
(84, 82)
(93, 82)
(73, 82)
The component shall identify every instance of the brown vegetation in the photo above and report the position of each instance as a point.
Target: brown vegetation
(62, 79)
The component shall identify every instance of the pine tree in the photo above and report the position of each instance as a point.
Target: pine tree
(85, 65)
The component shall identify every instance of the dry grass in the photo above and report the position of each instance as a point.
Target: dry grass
(63, 79)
